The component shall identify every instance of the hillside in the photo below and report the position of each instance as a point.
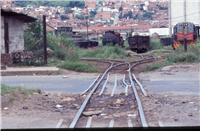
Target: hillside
(63, 3)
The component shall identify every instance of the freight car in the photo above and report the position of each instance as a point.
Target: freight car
(184, 33)
(112, 37)
(139, 43)
(77, 40)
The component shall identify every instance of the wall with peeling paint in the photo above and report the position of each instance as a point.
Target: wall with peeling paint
(2, 36)
(16, 35)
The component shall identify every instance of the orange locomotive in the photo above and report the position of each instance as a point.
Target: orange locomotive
(185, 33)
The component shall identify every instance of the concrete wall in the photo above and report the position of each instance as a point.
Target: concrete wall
(192, 11)
(16, 35)
(160, 31)
(2, 36)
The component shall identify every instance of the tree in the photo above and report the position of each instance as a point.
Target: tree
(147, 15)
(93, 13)
(100, 2)
(63, 17)
(57, 13)
(120, 16)
(68, 10)
(120, 9)
(80, 17)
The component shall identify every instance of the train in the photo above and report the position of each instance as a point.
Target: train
(139, 43)
(77, 40)
(113, 38)
(184, 33)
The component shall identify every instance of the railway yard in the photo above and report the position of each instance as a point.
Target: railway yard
(119, 97)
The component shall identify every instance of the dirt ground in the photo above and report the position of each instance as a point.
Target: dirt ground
(45, 110)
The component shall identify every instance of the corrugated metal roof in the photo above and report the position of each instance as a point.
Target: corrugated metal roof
(19, 16)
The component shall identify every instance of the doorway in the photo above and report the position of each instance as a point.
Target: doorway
(6, 34)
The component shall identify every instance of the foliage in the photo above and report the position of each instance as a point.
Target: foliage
(162, 7)
(141, 7)
(12, 90)
(94, 39)
(106, 52)
(129, 14)
(33, 37)
(120, 16)
(129, 33)
(147, 15)
(155, 44)
(68, 10)
(72, 4)
(93, 13)
(63, 17)
(100, 2)
(80, 17)
(120, 9)
(77, 66)
(179, 56)
(57, 13)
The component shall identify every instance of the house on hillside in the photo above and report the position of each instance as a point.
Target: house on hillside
(12, 32)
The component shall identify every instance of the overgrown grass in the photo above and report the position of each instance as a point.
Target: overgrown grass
(105, 52)
(78, 66)
(155, 44)
(16, 91)
(179, 56)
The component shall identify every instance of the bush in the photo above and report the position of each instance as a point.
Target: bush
(106, 52)
(155, 44)
(77, 66)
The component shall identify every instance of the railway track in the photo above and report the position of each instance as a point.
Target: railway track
(112, 99)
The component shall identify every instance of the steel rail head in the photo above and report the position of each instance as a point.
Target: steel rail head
(90, 85)
(126, 89)
(111, 123)
(73, 123)
(141, 112)
(89, 122)
(104, 85)
(141, 87)
(59, 123)
(114, 86)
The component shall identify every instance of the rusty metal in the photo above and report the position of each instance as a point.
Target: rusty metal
(45, 42)
(6, 59)
(139, 43)
(166, 41)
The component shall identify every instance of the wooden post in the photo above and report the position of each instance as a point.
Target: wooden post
(45, 42)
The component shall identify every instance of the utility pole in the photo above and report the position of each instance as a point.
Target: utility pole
(45, 42)
(184, 10)
(87, 21)
(169, 13)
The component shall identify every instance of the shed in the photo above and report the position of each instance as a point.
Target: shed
(12, 32)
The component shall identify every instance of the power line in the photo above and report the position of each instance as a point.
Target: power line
(186, 15)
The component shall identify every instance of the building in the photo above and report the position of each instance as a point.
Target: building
(12, 32)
